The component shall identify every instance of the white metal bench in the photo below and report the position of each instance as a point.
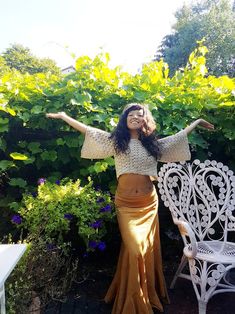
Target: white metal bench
(201, 198)
(10, 254)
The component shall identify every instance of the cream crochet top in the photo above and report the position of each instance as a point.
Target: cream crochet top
(137, 160)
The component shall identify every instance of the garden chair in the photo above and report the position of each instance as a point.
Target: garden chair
(201, 198)
(10, 254)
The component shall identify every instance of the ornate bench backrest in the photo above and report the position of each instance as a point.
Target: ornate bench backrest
(201, 193)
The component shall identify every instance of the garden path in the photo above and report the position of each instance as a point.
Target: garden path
(86, 297)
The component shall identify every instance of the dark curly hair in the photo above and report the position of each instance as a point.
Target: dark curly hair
(147, 135)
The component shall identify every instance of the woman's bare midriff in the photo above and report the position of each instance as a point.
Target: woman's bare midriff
(134, 184)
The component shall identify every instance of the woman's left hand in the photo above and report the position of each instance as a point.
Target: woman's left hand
(199, 122)
(205, 124)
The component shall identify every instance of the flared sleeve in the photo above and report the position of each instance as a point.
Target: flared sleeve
(174, 148)
(97, 144)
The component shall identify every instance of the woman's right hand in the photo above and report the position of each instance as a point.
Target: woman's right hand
(79, 126)
(58, 115)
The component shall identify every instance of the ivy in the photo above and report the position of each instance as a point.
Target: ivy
(95, 95)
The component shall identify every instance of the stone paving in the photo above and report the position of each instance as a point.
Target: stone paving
(86, 298)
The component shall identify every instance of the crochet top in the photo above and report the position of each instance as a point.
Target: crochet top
(136, 159)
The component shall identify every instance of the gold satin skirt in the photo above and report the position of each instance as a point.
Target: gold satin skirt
(138, 284)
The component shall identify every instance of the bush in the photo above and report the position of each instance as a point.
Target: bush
(43, 274)
(62, 221)
(33, 146)
(65, 211)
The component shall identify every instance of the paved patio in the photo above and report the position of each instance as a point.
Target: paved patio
(86, 298)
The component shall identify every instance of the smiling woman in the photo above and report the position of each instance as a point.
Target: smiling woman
(138, 284)
(135, 120)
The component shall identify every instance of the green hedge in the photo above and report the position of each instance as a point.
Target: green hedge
(32, 146)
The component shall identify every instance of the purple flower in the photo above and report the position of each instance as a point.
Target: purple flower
(57, 182)
(51, 246)
(97, 188)
(41, 181)
(97, 224)
(101, 246)
(92, 244)
(85, 255)
(16, 219)
(100, 200)
(107, 208)
(68, 216)
(34, 194)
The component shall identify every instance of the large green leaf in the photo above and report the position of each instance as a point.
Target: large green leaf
(34, 147)
(18, 182)
(7, 109)
(18, 156)
(3, 144)
(49, 155)
(72, 141)
(36, 109)
(5, 164)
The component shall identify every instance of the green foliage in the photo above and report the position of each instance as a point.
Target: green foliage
(58, 208)
(32, 147)
(95, 94)
(213, 21)
(60, 223)
(20, 58)
(18, 182)
(42, 274)
(18, 156)
(3, 66)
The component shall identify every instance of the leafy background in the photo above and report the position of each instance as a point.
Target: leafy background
(61, 204)
(32, 146)
(34, 149)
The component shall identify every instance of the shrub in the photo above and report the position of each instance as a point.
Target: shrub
(51, 221)
(31, 145)
(63, 211)
(43, 274)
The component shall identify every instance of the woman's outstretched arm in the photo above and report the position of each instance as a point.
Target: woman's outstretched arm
(97, 143)
(79, 126)
(199, 122)
(175, 147)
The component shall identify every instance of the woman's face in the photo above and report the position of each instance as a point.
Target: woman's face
(135, 119)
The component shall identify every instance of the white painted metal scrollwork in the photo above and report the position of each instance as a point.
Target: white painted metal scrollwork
(201, 198)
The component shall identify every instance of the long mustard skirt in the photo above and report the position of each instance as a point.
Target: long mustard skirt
(138, 284)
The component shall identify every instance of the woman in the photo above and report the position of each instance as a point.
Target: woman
(138, 284)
